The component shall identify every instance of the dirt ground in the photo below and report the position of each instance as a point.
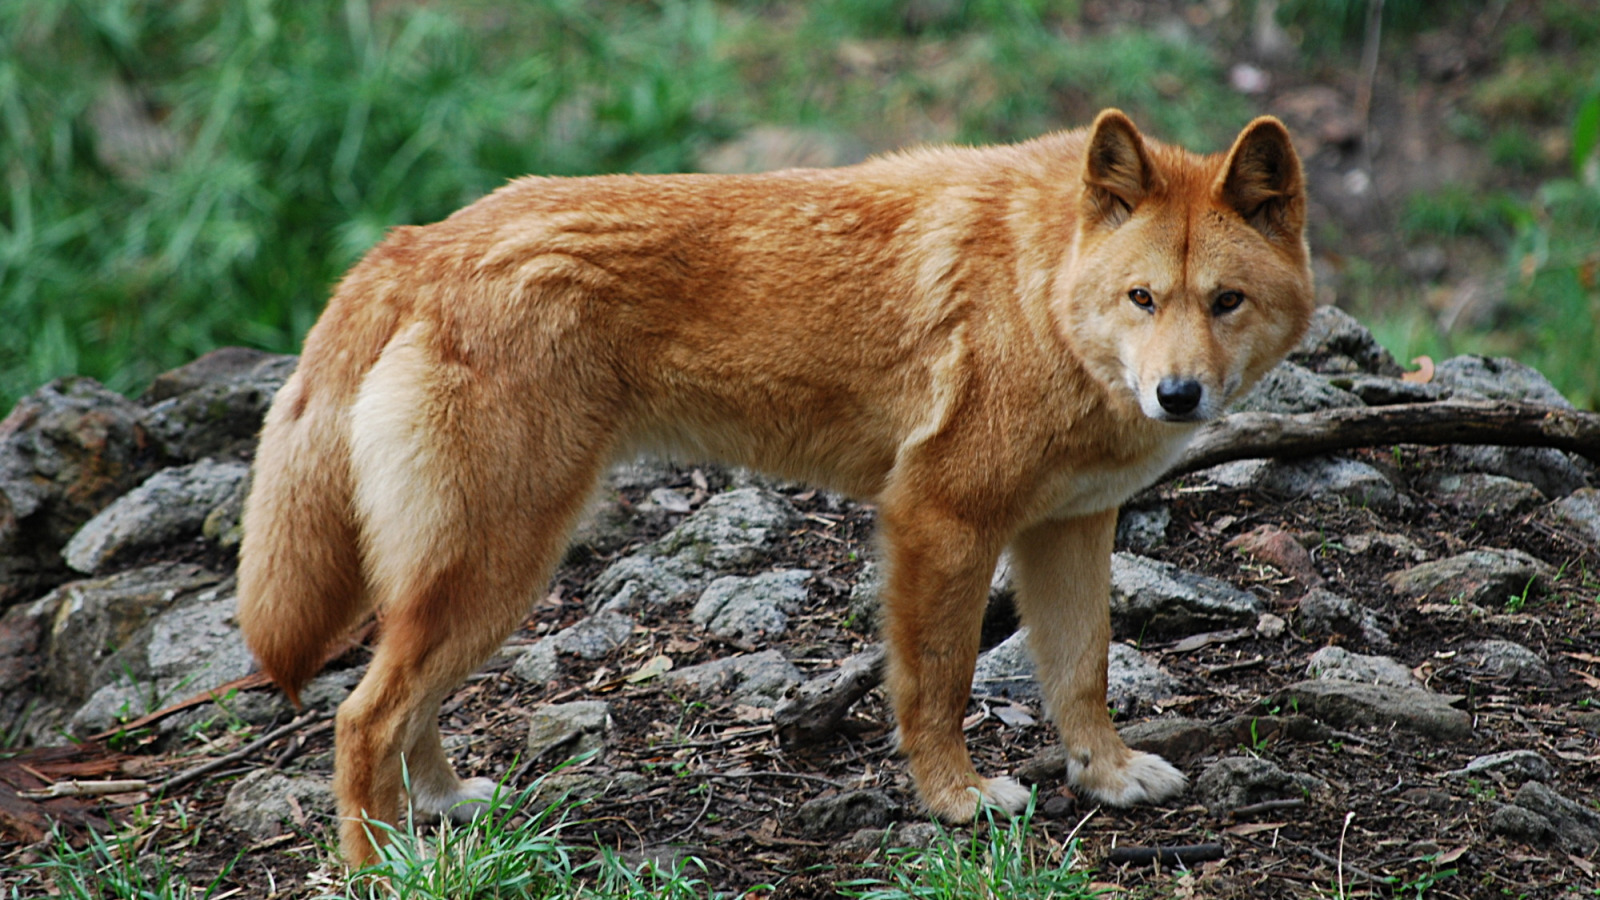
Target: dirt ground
(1386, 811)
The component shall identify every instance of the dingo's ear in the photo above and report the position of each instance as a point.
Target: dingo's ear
(1262, 181)
(1117, 174)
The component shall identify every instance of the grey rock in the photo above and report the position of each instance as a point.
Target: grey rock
(1290, 388)
(1007, 670)
(1482, 493)
(193, 647)
(198, 644)
(565, 730)
(1508, 660)
(66, 451)
(1143, 528)
(1250, 731)
(1515, 766)
(329, 689)
(1389, 544)
(170, 505)
(1236, 781)
(642, 473)
(1486, 577)
(215, 405)
(865, 593)
(1324, 612)
(1379, 390)
(1335, 343)
(223, 526)
(1133, 678)
(750, 607)
(606, 525)
(1578, 514)
(670, 499)
(1521, 824)
(1357, 482)
(753, 679)
(593, 637)
(1338, 664)
(1158, 598)
(1174, 738)
(845, 811)
(734, 529)
(113, 703)
(642, 580)
(902, 836)
(1499, 378)
(536, 663)
(90, 621)
(1553, 472)
(569, 784)
(1345, 704)
(1572, 826)
(265, 803)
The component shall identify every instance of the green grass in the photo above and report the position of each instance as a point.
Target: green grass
(266, 144)
(994, 860)
(523, 848)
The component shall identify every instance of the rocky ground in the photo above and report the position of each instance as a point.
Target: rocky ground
(1378, 668)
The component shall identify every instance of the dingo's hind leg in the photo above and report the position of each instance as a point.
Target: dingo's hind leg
(465, 502)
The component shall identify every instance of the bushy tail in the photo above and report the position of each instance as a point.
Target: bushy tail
(300, 578)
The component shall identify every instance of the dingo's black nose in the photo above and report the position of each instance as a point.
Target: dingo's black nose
(1178, 396)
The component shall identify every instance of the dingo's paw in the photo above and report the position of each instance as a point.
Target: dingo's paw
(1005, 795)
(463, 803)
(1142, 778)
(958, 805)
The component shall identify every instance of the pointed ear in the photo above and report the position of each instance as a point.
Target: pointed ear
(1117, 173)
(1262, 181)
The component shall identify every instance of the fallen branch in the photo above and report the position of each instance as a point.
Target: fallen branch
(188, 775)
(812, 711)
(249, 682)
(1184, 855)
(1255, 809)
(85, 789)
(1259, 435)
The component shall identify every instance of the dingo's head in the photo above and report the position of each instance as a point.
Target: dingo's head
(1190, 275)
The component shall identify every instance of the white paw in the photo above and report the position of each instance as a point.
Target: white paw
(462, 802)
(1004, 794)
(1146, 778)
(472, 798)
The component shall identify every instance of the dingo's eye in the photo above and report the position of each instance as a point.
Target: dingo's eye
(1227, 301)
(1142, 299)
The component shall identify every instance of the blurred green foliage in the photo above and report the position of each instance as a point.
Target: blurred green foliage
(183, 174)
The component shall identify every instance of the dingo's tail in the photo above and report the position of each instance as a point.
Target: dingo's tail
(300, 578)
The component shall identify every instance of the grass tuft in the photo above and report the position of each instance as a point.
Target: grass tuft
(996, 860)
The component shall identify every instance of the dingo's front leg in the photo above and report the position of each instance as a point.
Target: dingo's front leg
(1063, 579)
(939, 571)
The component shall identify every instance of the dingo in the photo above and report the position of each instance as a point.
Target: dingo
(996, 345)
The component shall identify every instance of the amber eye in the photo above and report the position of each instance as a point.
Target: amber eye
(1142, 299)
(1227, 301)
